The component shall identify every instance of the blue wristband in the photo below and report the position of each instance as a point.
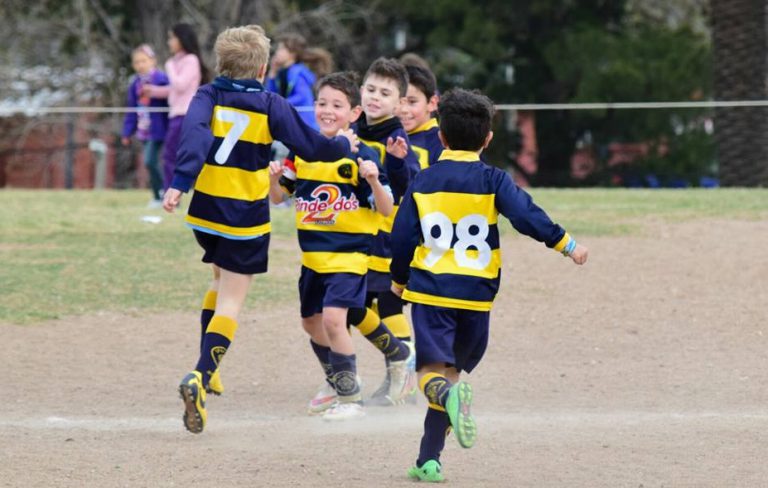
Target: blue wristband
(568, 249)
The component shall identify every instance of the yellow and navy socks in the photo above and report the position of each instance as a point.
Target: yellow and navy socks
(206, 313)
(436, 423)
(373, 329)
(218, 337)
(323, 353)
(345, 376)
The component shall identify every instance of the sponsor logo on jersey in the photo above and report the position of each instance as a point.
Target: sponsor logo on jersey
(325, 204)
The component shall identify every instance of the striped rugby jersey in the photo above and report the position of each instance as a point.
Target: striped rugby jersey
(400, 173)
(426, 144)
(335, 218)
(445, 240)
(225, 149)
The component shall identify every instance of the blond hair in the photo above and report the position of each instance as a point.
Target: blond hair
(241, 52)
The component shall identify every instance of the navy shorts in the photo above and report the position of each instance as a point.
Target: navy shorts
(378, 281)
(246, 256)
(318, 290)
(449, 335)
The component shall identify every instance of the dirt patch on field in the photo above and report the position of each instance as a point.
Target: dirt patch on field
(647, 367)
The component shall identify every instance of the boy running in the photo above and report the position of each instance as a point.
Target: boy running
(446, 261)
(336, 205)
(224, 155)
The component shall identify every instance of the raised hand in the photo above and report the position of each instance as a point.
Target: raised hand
(397, 147)
(368, 169)
(350, 135)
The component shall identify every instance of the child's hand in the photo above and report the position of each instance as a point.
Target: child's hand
(125, 140)
(350, 135)
(397, 147)
(171, 199)
(368, 169)
(275, 171)
(396, 290)
(579, 254)
(146, 90)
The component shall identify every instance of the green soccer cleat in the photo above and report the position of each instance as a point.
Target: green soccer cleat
(215, 385)
(457, 406)
(430, 471)
(193, 394)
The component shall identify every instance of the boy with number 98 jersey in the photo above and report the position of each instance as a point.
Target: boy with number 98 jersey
(446, 261)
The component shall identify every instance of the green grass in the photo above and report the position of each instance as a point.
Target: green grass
(79, 252)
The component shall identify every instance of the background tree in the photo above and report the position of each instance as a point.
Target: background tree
(740, 71)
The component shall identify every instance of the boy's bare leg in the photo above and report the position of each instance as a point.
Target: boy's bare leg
(343, 364)
(326, 394)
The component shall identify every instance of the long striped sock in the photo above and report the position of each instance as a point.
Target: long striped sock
(399, 326)
(217, 339)
(206, 313)
(381, 337)
(323, 353)
(436, 425)
(435, 387)
(345, 377)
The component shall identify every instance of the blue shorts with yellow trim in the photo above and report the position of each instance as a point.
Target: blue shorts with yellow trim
(318, 290)
(244, 256)
(453, 336)
(378, 281)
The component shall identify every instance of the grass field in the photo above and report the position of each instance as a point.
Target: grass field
(79, 252)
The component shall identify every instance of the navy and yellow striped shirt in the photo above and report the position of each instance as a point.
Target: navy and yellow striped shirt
(426, 144)
(400, 173)
(224, 152)
(335, 215)
(445, 240)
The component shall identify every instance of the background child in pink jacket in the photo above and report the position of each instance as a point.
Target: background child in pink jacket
(186, 72)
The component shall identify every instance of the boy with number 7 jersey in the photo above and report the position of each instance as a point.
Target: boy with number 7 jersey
(446, 261)
(224, 153)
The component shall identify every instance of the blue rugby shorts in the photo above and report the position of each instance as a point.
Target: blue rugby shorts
(449, 335)
(318, 290)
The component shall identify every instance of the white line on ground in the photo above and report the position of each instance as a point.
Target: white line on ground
(383, 419)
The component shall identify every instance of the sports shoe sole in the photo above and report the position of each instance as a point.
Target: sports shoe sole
(430, 474)
(458, 408)
(193, 421)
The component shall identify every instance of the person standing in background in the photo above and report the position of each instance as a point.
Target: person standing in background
(186, 72)
(291, 78)
(148, 127)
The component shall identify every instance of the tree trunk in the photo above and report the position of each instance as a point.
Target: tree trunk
(740, 73)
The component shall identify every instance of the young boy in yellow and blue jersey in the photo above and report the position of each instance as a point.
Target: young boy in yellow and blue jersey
(224, 156)
(446, 261)
(383, 89)
(416, 115)
(337, 203)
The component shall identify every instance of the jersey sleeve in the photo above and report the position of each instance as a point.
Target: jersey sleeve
(406, 235)
(196, 139)
(364, 191)
(286, 126)
(526, 217)
(131, 119)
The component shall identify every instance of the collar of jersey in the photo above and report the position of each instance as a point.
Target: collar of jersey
(229, 84)
(425, 126)
(465, 156)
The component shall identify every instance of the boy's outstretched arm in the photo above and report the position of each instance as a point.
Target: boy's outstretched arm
(529, 219)
(286, 126)
(406, 235)
(196, 141)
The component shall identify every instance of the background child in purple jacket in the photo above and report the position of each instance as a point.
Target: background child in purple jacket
(149, 127)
